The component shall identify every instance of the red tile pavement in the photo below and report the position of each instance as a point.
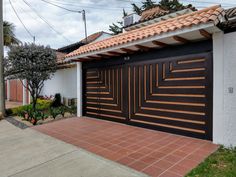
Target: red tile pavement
(152, 152)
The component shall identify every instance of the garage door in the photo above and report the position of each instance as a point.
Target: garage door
(170, 94)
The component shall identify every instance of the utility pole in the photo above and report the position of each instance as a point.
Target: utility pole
(2, 95)
(85, 25)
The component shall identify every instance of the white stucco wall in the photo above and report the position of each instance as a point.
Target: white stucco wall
(64, 82)
(224, 104)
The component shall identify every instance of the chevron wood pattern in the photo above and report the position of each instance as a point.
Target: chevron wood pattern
(104, 93)
(172, 94)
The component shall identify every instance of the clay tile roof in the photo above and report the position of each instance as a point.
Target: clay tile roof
(230, 13)
(152, 13)
(208, 15)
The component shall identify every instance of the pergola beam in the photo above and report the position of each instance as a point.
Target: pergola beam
(143, 48)
(181, 39)
(129, 51)
(161, 44)
(205, 34)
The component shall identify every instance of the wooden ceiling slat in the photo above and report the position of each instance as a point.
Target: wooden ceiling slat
(161, 44)
(143, 48)
(181, 39)
(128, 50)
(205, 34)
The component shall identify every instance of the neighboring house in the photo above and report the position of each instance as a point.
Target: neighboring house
(173, 73)
(64, 80)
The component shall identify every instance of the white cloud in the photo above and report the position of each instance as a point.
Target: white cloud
(100, 14)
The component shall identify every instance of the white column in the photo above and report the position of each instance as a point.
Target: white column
(218, 87)
(8, 90)
(79, 89)
(25, 93)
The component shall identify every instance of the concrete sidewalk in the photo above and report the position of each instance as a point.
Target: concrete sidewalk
(27, 153)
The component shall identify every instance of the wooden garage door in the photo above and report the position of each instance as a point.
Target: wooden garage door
(171, 94)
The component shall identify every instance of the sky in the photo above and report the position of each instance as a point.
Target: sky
(68, 26)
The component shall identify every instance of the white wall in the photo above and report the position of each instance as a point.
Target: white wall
(224, 104)
(64, 82)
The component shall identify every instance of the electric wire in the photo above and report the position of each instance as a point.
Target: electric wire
(42, 18)
(26, 29)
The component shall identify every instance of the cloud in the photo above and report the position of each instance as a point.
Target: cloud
(100, 14)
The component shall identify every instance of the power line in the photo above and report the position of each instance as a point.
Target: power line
(75, 4)
(30, 34)
(209, 2)
(62, 7)
(42, 18)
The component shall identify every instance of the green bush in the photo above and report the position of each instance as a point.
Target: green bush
(21, 110)
(38, 115)
(73, 110)
(64, 109)
(54, 112)
(43, 104)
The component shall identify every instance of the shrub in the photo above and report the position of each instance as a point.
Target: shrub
(63, 110)
(57, 100)
(21, 110)
(43, 104)
(73, 110)
(38, 115)
(54, 112)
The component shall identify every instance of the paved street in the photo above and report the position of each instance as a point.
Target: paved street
(27, 153)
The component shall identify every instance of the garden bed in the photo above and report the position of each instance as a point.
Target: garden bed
(46, 111)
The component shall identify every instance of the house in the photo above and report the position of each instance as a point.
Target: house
(173, 73)
(64, 80)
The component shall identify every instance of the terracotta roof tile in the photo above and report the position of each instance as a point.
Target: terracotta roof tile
(207, 15)
(152, 13)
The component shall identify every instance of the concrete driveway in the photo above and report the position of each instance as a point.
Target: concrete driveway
(28, 153)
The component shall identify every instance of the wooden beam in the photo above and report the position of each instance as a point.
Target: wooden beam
(127, 50)
(114, 53)
(205, 34)
(143, 48)
(81, 60)
(104, 55)
(181, 39)
(161, 44)
(95, 58)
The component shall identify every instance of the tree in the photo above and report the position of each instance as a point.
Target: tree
(136, 9)
(33, 63)
(9, 35)
(169, 5)
(118, 27)
(148, 4)
(174, 5)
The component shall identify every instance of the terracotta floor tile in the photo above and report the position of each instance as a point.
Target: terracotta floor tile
(163, 164)
(153, 171)
(169, 174)
(126, 160)
(136, 155)
(172, 158)
(180, 153)
(148, 159)
(138, 165)
(145, 150)
(149, 151)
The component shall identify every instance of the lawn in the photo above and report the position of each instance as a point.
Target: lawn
(220, 164)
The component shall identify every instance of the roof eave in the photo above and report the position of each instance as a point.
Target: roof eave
(140, 42)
